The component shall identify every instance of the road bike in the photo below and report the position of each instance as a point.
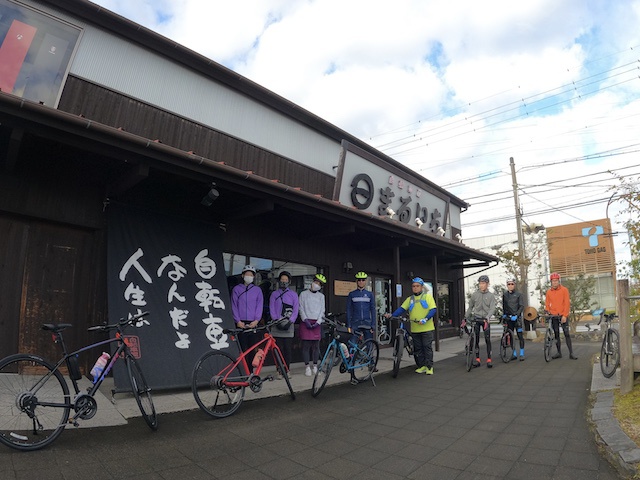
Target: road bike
(506, 341)
(357, 357)
(470, 344)
(219, 380)
(610, 350)
(384, 337)
(35, 402)
(402, 341)
(549, 336)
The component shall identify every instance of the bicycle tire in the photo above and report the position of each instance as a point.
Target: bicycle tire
(141, 392)
(610, 353)
(365, 360)
(211, 394)
(384, 339)
(279, 361)
(398, 348)
(324, 369)
(468, 350)
(548, 344)
(49, 406)
(506, 346)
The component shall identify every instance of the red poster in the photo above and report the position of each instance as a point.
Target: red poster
(13, 52)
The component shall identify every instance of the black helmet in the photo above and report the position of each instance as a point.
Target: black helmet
(284, 272)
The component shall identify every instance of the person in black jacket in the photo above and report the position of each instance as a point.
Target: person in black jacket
(512, 308)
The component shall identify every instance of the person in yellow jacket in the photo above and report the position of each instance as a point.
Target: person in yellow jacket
(422, 308)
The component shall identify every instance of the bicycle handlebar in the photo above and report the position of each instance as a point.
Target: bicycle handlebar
(267, 325)
(121, 323)
(607, 318)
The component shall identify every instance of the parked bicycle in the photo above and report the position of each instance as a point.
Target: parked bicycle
(384, 337)
(506, 342)
(610, 350)
(402, 341)
(219, 380)
(35, 403)
(357, 357)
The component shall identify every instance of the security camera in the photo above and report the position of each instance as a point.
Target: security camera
(459, 237)
(441, 231)
(390, 211)
(419, 222)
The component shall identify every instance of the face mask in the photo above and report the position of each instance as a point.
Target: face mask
(284, 285)
(315, 287)
(248, 279)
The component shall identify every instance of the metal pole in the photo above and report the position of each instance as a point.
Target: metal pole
(521, 251)
(626, 342)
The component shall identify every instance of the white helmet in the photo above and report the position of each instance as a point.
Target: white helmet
(249, 268)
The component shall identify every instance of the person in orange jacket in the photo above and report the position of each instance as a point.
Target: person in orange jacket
(557, 304)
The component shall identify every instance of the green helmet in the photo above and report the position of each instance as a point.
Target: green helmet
(321, 278)
(361, 275)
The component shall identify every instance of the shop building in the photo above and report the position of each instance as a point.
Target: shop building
(113, 137)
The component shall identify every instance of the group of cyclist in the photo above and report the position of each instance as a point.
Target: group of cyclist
(482, 305)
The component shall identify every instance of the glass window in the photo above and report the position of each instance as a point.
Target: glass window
(35, 53)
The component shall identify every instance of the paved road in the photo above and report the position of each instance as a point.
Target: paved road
(524, 420)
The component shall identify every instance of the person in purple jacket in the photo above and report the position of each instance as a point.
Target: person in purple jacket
(246, 307)
(283, 304)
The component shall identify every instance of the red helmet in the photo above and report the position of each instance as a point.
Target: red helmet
(555, 276)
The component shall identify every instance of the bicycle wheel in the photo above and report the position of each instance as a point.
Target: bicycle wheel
(506, 346)
(610, 353)
(365, 360)
(548, 344)
(34, 402)
(398, 348)
(141, 392)
(468, 350)
(384, 338)
(281, 368)
(212, 395)
(324, 369)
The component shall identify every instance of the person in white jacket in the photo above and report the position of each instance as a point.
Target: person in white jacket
(312, 308)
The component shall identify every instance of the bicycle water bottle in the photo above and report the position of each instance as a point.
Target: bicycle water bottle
(98, 368)
(345, 350)
(258, 358)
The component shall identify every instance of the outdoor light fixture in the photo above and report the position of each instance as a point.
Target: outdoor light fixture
(211, 196)
(441, 231)
(459, 237)
(390, 211)
(419, 222)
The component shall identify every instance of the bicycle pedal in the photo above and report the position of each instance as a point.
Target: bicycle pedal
(269, 378)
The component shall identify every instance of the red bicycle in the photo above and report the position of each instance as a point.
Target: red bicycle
(219, 380)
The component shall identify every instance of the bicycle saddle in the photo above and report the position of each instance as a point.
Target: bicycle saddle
(55, 328)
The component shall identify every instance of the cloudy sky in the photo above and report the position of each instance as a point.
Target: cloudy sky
(451, 88)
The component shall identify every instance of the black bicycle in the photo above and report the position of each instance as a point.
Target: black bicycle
(403, 342)
(470, 344)
(610, 350)
(506, 341)
(35, 403)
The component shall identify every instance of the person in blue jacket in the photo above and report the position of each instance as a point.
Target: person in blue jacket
(361, 307)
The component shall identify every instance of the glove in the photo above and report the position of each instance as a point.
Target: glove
(464, 323)
(423, 321)
(485, 326)
(308, 323)
(316, 325)
(514, 318)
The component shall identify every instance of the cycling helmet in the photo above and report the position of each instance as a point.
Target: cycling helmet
(483, 278)
(511, 280)
(249, 268)
(361, 275)
(284, 272)
(554, 276)
(418, 280)
(321, 278)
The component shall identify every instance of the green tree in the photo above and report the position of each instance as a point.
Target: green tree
(581, 289)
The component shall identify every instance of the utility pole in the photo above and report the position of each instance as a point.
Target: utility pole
(521, 252)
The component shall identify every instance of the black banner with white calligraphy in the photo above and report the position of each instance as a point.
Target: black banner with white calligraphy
(173, 268)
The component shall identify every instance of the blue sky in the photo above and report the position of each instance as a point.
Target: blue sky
(451, 88)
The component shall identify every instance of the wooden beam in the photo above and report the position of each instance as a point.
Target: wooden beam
(13, 149)
(256, 208)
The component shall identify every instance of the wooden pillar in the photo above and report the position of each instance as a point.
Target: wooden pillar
(435, 297)
(626, 342)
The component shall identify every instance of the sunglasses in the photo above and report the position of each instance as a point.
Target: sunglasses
(362, 280)
(510, 283)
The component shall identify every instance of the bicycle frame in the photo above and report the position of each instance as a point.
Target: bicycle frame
(268, 344)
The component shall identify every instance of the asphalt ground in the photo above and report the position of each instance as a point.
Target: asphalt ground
(522, 420)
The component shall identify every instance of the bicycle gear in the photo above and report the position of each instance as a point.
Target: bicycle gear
(255, 384)
(86, 406)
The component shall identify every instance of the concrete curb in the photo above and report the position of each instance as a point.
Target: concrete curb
(618, 447)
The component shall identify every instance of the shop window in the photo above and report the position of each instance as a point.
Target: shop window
(35, 53)
(443, 302)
